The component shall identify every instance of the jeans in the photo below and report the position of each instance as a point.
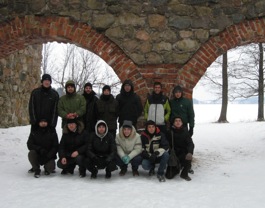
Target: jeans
(162, 160)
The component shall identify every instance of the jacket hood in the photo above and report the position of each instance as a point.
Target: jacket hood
(69, 82)
(96, 128)
(129, 82)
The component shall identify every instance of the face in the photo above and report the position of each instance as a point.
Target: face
(88, 89)
(70, 89)
(151, 129)
(178, 94)
(178, 122)
(46, 83)
(127, 88)
(101, 129)
(127, 131)
(43, 124)
(106, 92)
(157, 89)
(71, 126)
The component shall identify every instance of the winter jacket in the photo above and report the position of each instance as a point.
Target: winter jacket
(107, 110)
(157, 108)
(130, 106)
(131, 146)
(71, 103)
(157, 142)
(101, 145)
(43, 105)
(45, 143)
(182, 107)
(183, 143)
(90, 117)
(73, 141)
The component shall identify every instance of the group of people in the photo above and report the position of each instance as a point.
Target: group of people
(89, 125)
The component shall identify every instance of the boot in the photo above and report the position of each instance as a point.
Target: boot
(135, 173)
(108, 175)
(37, 173)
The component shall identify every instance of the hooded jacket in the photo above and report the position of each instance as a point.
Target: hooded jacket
(101, 145)
(71, 103)
(131, 146)
(130, 105)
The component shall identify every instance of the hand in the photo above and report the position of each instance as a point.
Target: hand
(70, 116)
(74, 154)
(152, 158)
(145, 154)
(191, 131)
(64, 161)
(188, 156)
(125, 159)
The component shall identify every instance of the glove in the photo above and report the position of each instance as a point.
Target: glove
(145, 155)
(152, 158)
(108, 160)
(191, 131)
(43, 151)
(188, 156)
(95, 160)
(125, 159)
(156, 153)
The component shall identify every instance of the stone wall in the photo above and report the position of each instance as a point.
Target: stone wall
(19, 74)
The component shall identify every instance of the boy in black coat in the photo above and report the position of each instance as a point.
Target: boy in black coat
(101, 150)
(43, 146)
(72, 148)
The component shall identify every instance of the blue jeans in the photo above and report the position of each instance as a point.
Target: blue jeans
(162, 160)
(136, 161)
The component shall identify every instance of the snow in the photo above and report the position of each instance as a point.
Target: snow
(228, 164)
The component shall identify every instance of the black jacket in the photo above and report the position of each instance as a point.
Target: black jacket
(45, 143)
(183, 143)
(101, 147)
(73, 141)
(130, 105)
(43, 105)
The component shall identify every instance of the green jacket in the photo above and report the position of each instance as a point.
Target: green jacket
(73, 103)
(182, 107)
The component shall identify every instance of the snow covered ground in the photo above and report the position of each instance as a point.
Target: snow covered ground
(228, 164)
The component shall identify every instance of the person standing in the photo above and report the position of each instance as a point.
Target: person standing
(157, 108)
(129, 148)
(101, 150)
(43, 146)
(43, 104)
(71, 105)
(90, 117)
(183, 107)
(72, 148)
(130, 106)
(183, 145)
(155, 150)
(107, 109)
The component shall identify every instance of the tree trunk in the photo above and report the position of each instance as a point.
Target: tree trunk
(261, 86)
(222, 118)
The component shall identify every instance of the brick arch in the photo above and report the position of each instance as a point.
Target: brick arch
(28, 30)
(252, 31)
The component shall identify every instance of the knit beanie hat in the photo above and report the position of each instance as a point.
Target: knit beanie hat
(46, 77)
(88, 84)
(106, 87)
(177, 89)
(127, 124)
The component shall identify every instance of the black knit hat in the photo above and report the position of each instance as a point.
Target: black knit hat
(73, 120)
(46, 77)
(106, 87)
(88, 84)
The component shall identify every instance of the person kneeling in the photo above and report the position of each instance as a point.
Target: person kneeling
(101, 151)
(155, 150)
(43, 146)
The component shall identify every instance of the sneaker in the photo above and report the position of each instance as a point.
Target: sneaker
(31, 170)
(108, 175)
(64, 172)
(122, 172)
(151, 172)
(191, 171)
(161, 178)
(46, 172)
(94, 174)
(135, 173)
(187, 178)
(37, 173)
